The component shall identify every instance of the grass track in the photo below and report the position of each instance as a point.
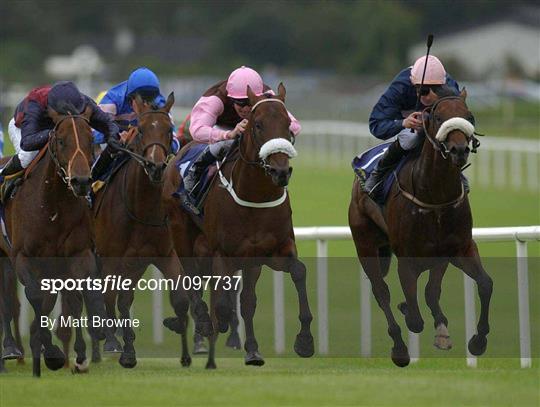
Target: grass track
(287, 381)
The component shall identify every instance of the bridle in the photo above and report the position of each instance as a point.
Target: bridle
(146, 164)
(64, 174)
(438, 145)
(260, 162)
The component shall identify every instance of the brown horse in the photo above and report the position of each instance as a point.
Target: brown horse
(13, 348)
(247, 223)
(132, 229)
(427, 222)
(50, 227)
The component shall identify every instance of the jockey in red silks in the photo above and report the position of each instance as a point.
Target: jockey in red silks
(395, 114)
(30, 127)
(221, 114)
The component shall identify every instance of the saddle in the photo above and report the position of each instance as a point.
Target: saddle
(9, 184)
(193, 201)
(364, 164)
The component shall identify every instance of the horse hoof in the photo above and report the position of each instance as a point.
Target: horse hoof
(211, 365)
(54, 358)
(414, 325)
(128, 360)
(303, 345)
(477, 345)
(11, 352)
(175, 324)
(254, 359)
(81, 368)
(185, 361)
(112, 347)
(199, 348)
(442, 342)
(400, 356)
(223, 326)
(233, 341)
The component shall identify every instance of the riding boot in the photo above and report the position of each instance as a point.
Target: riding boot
(197, 168)
(388, 161)
(102, 164)
(13, 166)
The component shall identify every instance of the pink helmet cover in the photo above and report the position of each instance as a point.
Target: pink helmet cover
(435, 73)
(240, 79)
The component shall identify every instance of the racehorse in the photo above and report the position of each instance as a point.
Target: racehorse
(247, 223)
(427, 222)
(13, 348)
(49, 224)
(132, 228)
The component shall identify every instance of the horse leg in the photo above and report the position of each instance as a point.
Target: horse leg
(64, 332)
(12, 346)
(303, 345)
(233, 341)
(211, 361)
(112, 344)
(172, 270)
(248, 304)
(128, 359)
(408, 276)
(472, 266)
(370, 264)
(81, 362)
(433, 295)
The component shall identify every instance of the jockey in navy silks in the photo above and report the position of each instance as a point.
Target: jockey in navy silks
(119, 102)
(395, 114)
(31, 124)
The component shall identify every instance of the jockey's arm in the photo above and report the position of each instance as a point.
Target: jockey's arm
(203, 117)
(33, 136)
(386, 119)
(103, 122)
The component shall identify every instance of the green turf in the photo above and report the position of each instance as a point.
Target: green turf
(290, 382)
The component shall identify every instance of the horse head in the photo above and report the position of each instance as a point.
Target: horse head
(450, 128)
(269, 136)
(153, 140)
(70, 147)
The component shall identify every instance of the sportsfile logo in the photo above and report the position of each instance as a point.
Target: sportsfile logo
(119, 283)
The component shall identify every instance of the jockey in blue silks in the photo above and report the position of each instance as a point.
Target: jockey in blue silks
(119, 102)
(395, 114)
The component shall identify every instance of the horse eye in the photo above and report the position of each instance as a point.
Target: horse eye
(61, 143)
(438, 118)
(258, 126)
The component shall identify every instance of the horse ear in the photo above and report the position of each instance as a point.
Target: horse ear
(251, 96)
(170, 102)
(139, 101)
(281, 92)
(53, 114)
(463, 94)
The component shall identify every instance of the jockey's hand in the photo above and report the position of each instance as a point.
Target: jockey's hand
(413, 121)
(114, 143)
(239, 129)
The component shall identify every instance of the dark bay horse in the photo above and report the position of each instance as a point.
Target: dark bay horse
(427, 222)
(247, 223)
(50, 227)
(132, 229)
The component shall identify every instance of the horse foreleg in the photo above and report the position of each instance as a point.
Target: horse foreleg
(64, 332)
(472, 266)
(433, 295)
(112, 344)
(408, 277)
(173, 271)
(248, 304)
(12, 345)
(75, 306)
(128, 358)
(233, 341)
(303, 345)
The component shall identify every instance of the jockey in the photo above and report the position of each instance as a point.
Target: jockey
(31, 125)
(220, 116)
(395, 113)
(119, 102)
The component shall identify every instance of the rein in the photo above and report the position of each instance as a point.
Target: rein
(66, 175)
(441, 147)
(260, 163)
(139, 158)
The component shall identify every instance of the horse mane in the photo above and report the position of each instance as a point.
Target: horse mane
(445, 91)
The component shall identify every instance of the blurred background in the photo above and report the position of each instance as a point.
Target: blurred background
(335, 59)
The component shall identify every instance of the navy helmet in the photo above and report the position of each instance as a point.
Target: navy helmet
(64, 97)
